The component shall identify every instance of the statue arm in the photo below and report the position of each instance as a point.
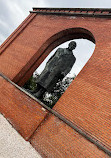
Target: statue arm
(51, 58)
(68, 69)
(53, 55)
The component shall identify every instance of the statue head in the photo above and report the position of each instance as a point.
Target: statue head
(72, 45)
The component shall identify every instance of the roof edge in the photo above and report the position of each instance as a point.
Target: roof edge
(84, 12)
(88, 9)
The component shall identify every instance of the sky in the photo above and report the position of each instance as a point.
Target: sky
(13, 12)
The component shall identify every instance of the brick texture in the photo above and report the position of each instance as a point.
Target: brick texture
(87, 106)
(55, 139)
(20, 110)
(86, 102)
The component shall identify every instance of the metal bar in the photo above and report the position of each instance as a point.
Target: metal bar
(93, 140)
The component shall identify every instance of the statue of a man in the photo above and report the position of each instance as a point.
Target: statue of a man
(57, 67)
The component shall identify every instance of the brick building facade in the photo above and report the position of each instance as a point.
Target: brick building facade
(79, 123)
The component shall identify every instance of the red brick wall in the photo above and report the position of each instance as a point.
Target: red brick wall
(87, 100)
(28, 44)
(22, 112)
(56, 139)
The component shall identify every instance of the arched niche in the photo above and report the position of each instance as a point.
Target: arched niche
(49, 45)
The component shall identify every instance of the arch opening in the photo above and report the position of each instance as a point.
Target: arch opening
(47, 47)
(85, 47)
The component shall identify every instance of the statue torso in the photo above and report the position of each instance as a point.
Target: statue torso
(61, 62)
(63, 58)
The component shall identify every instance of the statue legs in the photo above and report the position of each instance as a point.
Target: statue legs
(38, 93)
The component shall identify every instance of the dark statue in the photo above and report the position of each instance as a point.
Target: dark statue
(57, 67)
